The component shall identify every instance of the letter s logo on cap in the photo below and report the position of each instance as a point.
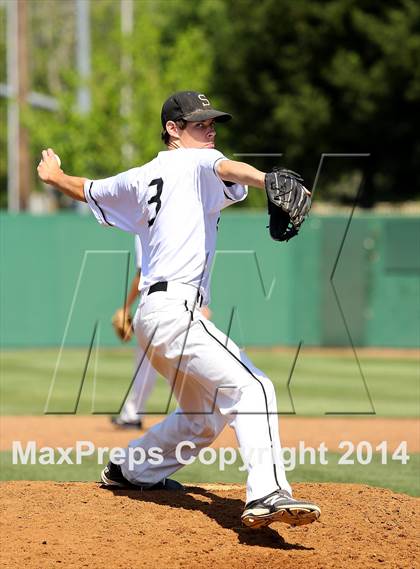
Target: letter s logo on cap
(205, 102)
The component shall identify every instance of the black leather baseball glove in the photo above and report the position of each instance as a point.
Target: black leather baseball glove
(289, 203)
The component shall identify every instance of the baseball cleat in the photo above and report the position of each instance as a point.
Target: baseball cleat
(112, 476)
(126, 424)
(279, 506)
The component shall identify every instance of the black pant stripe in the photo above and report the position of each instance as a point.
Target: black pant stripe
(262, 387)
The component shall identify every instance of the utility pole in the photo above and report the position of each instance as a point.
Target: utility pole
(127, 150)
(24, 158)
(83, 54)
(12, 108)
(19, 179)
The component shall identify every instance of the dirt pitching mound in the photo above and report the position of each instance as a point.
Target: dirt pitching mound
(74, 525)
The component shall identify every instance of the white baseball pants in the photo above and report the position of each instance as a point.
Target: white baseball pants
(214, 384)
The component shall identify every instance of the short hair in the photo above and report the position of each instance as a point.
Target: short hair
(165, 136)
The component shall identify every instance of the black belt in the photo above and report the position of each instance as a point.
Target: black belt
(163, 287)
(159, 287)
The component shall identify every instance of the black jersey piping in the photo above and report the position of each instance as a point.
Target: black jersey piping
(227, 196)
(97, 205)
(262, 387)
(214, 167)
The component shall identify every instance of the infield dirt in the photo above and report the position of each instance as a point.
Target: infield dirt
(75, 525)
(52, 430)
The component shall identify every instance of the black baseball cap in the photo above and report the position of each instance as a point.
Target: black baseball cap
(192, 107)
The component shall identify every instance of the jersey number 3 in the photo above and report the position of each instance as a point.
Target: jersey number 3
(156, 198)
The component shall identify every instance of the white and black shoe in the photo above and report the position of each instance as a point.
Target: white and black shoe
(118, 422)
(279, 506)
(112, 476)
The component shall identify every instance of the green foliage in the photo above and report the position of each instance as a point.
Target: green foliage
(301, 78)
(131, 75)
(336, 76)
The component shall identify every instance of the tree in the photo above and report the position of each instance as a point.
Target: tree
(335, 76)
(91, 144)
(300, 78)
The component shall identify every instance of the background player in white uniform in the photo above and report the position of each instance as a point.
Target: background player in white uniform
(131, 414)
(173, 203)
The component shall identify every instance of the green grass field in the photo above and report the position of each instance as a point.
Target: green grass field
(393, 475)
(321, 383)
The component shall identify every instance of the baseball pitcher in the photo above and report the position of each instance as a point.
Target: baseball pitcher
(173, 203)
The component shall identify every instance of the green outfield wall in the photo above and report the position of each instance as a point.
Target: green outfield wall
(62, 277)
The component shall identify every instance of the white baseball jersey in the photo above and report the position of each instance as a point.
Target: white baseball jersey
(165, 202)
